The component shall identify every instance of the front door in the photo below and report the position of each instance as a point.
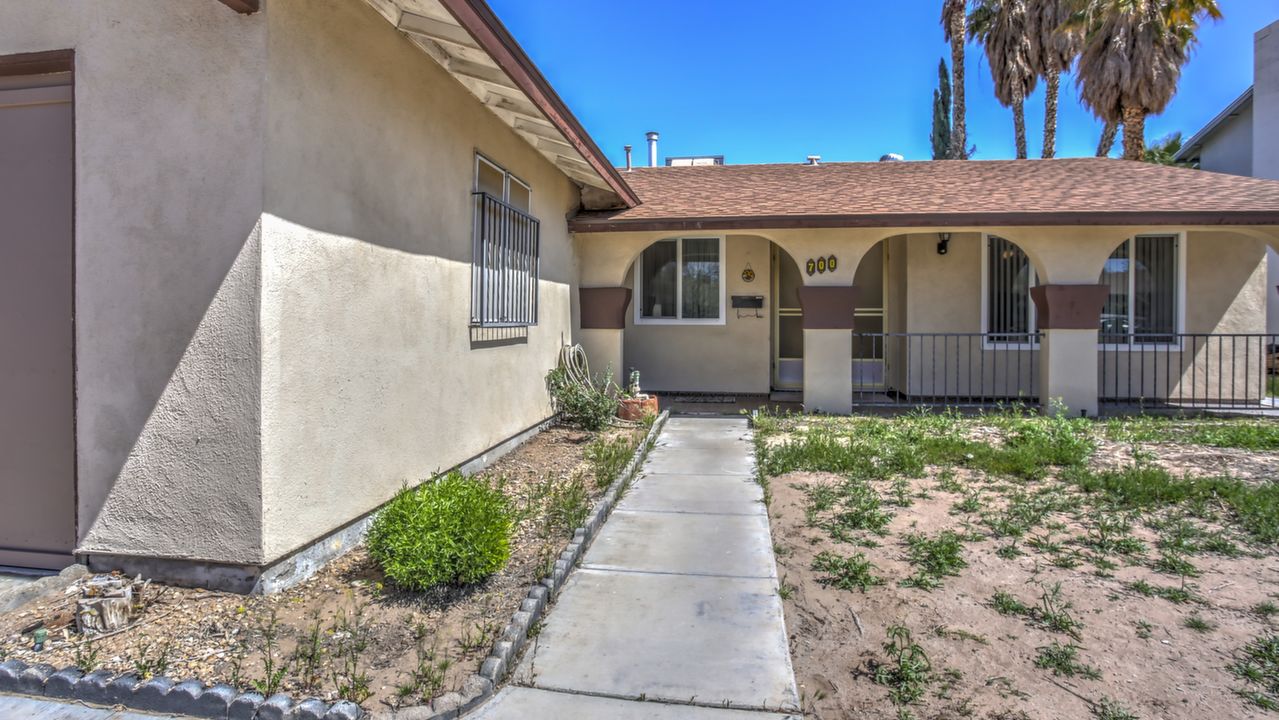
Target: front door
(37, 400)
(788, 323)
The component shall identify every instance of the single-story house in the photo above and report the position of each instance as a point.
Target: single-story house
(265, 261)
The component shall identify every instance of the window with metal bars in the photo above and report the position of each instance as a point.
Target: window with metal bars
(1142, 308)
(506, 250)
(1010, 314)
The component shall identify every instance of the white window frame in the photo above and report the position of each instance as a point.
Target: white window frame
(1181, 298)
(508, 177)
(986, 343)
(679, 285)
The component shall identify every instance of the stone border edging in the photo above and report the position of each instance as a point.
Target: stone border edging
(164, 695)
(477, 689)
(223, 702)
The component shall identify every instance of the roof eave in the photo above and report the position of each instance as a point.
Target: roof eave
(899, 220)
(494, 39)
(1190, 149)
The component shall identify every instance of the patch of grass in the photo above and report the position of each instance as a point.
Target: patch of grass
(1144, 629)
(785, 590)
(1257, 436)
(846, 508)
(1266, 609)
(454, 530)
(1064, 660)
(1254, 508)
(1111, 533)
(908, 670)
(1052, 613)
(1172, 563)
(934, 558)
(568, 504)
(1179, 595)
(1107, 709)
(1257, 664)
(608, 458)
(1197, 623)
(1007, 604)
(846, 572)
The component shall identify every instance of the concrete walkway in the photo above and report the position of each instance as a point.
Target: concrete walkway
(674, 612)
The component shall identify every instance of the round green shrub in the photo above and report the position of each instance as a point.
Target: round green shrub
(452, 531)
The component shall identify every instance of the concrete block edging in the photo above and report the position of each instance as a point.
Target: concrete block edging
(195, 698)
(478, 689)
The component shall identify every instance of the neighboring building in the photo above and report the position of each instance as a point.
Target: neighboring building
(1244, 140)
(265, 261)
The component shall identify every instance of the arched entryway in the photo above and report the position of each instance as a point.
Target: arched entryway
(870, 346)
(787, 323)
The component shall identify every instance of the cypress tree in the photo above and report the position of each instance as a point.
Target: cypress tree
(941, 114)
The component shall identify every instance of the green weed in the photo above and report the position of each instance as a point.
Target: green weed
(934, 558)
(908, 670)
(1257, 664)
(1064, 660)
(846, 573)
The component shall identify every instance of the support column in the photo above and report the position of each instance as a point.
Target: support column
(603, 322)
(828, 347)
(1069, 318)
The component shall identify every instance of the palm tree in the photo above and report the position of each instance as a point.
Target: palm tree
(1001, 26)
(1132, 57)
(1164, 151)
(1108, 134)
(954, 16)
(1054, 45)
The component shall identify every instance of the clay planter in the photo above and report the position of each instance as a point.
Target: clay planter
(636, 408)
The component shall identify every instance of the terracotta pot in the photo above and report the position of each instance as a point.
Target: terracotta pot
(637, 408)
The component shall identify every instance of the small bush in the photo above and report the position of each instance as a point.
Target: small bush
(586, 407)
(608, 458)
(452, 531)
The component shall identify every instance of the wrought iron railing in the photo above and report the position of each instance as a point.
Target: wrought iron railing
(1199, 371)
(505, 264)
(945, 369)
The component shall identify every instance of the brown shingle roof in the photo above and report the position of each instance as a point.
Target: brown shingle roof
(1083, 191)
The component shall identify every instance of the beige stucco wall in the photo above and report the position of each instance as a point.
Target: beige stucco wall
(169, 96)
(371, 375)
(732, 357)
(932, 293)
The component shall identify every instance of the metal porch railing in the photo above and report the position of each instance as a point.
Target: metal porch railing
(1198, 371)
(945, 369)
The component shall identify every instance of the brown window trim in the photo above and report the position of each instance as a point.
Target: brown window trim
(37, 63)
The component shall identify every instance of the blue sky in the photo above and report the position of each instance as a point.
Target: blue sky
(762, 81)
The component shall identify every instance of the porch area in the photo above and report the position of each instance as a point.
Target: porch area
(1089, 321)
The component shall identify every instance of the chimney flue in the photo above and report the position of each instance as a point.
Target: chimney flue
(814, 159)
(628, 149)
(652, 148)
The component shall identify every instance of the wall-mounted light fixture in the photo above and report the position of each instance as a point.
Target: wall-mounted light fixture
(943, 243)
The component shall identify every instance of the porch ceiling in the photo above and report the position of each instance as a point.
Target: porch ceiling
(468, 41)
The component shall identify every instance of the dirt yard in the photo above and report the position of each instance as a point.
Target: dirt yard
(345, 632)
(1011, 568)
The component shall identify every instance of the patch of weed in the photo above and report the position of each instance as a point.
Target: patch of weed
(908, 670)
(1257, 664)
(934, 558)
(846, 572)
(1064, 660)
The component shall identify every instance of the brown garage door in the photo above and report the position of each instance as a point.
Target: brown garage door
(37, 402)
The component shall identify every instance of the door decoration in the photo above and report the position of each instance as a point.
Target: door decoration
(748, 275)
